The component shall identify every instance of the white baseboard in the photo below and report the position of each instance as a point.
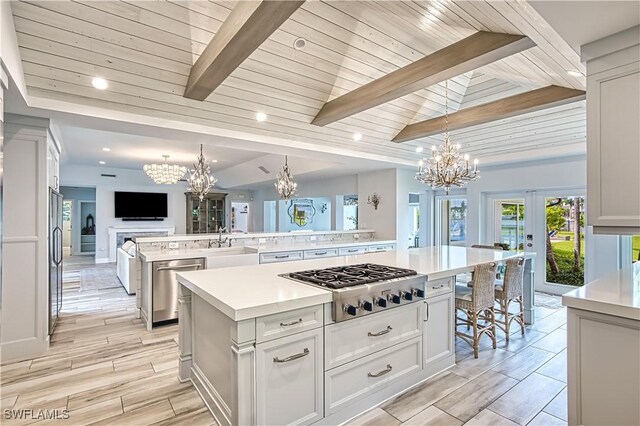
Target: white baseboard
(18, 350)
(103, 260)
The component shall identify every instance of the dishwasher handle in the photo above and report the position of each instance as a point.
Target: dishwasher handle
(169, 268)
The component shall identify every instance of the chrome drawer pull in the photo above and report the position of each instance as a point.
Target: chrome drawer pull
(292, 357)
(380, 333)
(352, 251)
(381, 373)
(320, 253)
(437, 287)
(288, 324)
(286, 256)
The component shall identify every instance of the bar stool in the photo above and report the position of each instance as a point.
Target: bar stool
(508, 290)
(477, 302)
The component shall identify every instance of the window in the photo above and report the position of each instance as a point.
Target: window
(452, 222)
(510, 226)
(350, 212)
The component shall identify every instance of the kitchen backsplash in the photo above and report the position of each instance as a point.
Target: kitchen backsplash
(199, 242)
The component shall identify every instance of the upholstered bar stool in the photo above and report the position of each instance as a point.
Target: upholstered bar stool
(510, 290)
(477, 302)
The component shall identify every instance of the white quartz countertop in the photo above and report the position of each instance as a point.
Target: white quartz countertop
(257, 290)
(153, 256)
(617, 294)
(188, 237)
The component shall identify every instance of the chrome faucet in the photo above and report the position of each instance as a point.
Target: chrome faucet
(220, 241)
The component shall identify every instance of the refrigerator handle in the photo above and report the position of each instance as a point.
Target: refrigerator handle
(57, 241)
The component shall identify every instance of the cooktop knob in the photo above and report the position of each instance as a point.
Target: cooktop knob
(418, 292)
(367, 306)
(396, 299)
(406, 295)
(351, 310)
(382, 302)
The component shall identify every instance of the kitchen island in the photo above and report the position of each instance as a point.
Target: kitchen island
(603, 350)
(264, 349)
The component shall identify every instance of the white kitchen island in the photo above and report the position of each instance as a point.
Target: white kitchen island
(263, 349)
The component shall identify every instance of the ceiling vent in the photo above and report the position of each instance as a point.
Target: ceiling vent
(264, 170)
(107, 175)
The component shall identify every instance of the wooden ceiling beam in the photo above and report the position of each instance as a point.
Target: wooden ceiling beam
(470, 53)
(248, 25)
(535, 100)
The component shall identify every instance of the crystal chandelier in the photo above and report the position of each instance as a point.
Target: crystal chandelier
(446, 167)
(165, 173)
(285, 185)
(200, 178)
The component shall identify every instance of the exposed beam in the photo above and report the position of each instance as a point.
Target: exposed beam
(248, 25)
(523, 103)
(475, 51)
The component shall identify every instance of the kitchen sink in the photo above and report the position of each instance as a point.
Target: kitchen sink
(225, 257)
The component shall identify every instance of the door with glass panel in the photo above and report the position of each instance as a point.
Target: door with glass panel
(510, 221)
(451, 221)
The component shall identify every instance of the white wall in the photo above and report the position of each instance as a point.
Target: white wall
(125, 180)
(383, 220)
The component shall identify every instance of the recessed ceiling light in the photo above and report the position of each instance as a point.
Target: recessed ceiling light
(357, 136)
(261, 116)
(99, 83)
(419, 149)
(102, 162)
(574, 73)
(299, 43)
(105, 149)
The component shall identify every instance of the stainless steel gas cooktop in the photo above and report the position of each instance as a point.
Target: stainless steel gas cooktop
(365, 288)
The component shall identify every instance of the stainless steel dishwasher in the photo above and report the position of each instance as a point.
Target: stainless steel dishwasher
(165, 286)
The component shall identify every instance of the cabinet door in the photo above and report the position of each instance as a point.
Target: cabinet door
(613, 147)
(438, 337)
(289, 376)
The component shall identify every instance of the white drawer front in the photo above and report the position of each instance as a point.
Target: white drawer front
(319, 253)
(288, 323)
(289, 380)
(381, 247)
(281, 257)
(348, 383)
(353, 339)
(347, 251)
(437, 287)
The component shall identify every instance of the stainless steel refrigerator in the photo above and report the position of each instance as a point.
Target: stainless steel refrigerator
(55, 257)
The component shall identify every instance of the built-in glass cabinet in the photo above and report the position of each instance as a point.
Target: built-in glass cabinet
(205, 216)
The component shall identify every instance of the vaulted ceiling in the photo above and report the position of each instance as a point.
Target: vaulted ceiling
(146, 50)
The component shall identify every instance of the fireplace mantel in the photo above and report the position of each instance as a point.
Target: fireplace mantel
(118, 231)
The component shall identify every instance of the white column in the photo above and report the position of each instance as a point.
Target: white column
(184, 331)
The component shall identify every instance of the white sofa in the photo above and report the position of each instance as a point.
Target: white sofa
(128, 270)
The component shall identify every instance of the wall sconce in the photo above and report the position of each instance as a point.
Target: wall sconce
(373, 199)
(323, 208)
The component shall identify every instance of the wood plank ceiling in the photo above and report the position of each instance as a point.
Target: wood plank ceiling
(146, 50)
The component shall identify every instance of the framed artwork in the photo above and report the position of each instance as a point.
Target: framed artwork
(301, 212)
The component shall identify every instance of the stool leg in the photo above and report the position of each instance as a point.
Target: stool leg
(493, 327)
(506, 318)
(521, 314)
(475, 334)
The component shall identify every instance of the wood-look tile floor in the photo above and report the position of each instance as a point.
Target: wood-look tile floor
(522, 382)
(105, 368)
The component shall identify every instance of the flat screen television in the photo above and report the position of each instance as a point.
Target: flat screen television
(140, 205)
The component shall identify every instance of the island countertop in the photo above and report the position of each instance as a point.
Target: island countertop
(153, 256)
(257, 290)
(617, 294)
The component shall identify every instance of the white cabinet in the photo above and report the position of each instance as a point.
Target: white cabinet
(320, 253)
(381, 247)
(349, 383)
(613, 137)
(603, 371)
(290, 322)
(348, 251)
(439, 330)
(289, 379)
(281, 257)
(349, 340)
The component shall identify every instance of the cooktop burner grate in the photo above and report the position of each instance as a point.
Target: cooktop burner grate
(352, 275)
